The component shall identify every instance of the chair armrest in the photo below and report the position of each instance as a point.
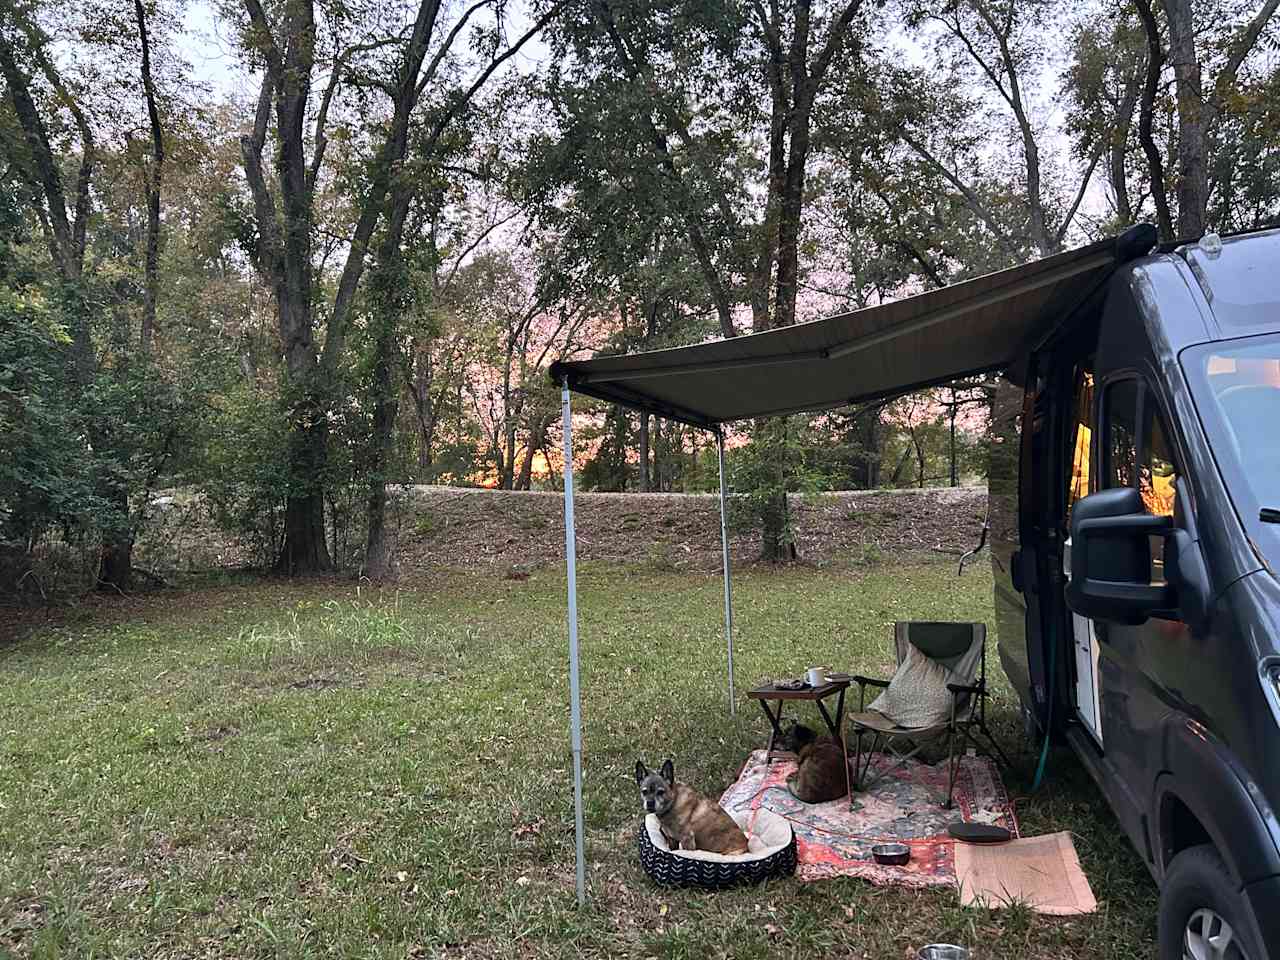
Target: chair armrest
(868, 681)
(959, 688)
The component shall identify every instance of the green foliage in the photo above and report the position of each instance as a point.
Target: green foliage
(245, 472)
(764, 471)
(45, 478)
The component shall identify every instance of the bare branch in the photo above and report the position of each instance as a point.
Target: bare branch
(322, 116)
(472, 246)
(1075, 205)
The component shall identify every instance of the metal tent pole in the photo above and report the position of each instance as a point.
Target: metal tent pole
(575, 704)
(728, 587)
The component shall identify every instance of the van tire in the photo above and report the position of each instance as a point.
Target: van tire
(1197, 881)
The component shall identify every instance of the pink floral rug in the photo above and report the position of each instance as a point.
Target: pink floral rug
(904, 806)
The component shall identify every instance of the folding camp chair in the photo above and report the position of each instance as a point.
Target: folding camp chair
(961, 648)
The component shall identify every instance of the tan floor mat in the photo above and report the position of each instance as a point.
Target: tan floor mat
(1042, 872)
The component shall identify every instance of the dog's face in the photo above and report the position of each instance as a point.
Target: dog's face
(657, 790)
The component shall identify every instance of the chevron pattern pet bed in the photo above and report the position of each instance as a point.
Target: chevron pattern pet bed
(771, 853)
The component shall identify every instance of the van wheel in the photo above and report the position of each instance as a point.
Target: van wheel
(1202, 915)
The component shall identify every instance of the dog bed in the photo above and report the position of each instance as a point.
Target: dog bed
(771, 853)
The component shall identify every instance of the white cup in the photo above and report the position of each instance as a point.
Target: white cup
(816, 677)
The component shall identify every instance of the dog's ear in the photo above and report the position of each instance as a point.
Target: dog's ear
(641, 772)
(669, 772)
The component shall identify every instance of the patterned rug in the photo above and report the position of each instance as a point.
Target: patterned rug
(903, 806)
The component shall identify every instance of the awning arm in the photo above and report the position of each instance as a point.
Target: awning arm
(575, 694)
(728, 587)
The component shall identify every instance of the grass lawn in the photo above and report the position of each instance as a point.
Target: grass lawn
(266, 769)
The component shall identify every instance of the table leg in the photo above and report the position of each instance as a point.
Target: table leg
(833, 725)
(775, 733)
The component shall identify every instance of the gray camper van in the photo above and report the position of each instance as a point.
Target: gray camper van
(1135, 518)
(1136, 547)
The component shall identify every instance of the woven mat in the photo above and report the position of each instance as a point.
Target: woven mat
(1042, 872)
(904, 806)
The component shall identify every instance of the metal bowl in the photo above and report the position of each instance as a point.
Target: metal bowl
(942, 951)
(891, 854)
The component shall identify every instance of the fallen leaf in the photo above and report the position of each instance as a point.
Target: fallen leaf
(523, 881)
(527, 830)
(401, 876)
(663, 910)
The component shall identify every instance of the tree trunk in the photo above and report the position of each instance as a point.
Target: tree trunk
(153, 180)
(1193, 177)
(867, 440)
(1117, 162)
(1150, 90)
(773, 529)
(792, 206)
(424, 407)
(115, 561)
(304, 549)
(379, 563)
(537, 439)
(955, 477)
(644, 452)
(915, 442)
(655, 443)
(772, 434)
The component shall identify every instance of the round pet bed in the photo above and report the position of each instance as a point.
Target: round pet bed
(771, 853)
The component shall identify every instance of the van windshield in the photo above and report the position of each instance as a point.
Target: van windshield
(1237, 387)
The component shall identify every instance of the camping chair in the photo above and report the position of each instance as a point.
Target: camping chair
(961, 649)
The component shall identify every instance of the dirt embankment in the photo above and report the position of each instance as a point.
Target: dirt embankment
(462, 527)
(452, 526)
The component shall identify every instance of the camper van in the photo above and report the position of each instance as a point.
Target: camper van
(1135, 523)
(1136, 553)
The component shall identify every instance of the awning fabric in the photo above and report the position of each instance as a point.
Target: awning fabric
(969, 328)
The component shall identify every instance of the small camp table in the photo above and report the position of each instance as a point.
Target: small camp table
(832, 688)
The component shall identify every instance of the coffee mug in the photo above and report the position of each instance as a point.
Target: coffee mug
(816, 677)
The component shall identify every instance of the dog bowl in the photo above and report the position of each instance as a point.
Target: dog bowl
(942, 951)
(892, 854)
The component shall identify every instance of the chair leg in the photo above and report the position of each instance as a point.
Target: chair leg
(860, 767)
(995, 745)
(952, 764)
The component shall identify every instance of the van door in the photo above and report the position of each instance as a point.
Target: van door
(1144, 671)
(1084, 637)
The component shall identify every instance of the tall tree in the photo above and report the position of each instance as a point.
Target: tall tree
(389, 317)
(153, 179)
(1199, 114)
(996, 46)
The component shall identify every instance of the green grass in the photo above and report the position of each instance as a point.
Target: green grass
(264, 769)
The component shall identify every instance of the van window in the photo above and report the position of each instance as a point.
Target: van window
(1139, 450)
(1120, 414)
(1157, 471)
(1082, 436)
(1156, 474)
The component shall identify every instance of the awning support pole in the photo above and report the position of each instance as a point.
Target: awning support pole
(575, 705)
(728, 587)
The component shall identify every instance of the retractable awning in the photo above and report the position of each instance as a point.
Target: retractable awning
(921, 341)
(969, 328)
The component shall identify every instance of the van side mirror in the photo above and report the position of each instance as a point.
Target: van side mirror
(1111, 558)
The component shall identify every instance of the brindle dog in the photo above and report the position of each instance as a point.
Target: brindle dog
(689, 820)
(821, 775)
